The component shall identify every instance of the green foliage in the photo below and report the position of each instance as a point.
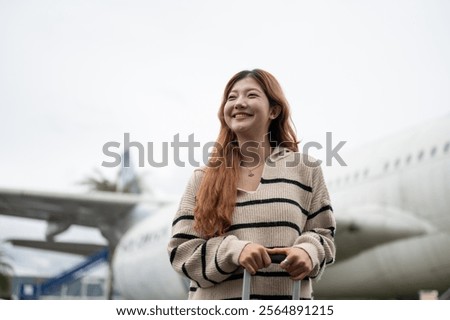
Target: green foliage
(98, 182)
(5, 277)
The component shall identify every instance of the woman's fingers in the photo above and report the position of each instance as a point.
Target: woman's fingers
(278, 251)
(297, 263)
(301, 276)
(266, 259)
(254, 257)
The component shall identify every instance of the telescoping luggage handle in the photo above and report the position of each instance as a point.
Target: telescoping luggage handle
(276, 258)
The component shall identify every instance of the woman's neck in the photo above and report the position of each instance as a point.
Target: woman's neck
(254, 152)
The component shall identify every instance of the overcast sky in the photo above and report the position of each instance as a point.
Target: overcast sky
(75, 75)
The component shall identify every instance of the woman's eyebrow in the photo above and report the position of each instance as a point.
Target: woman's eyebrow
(246, 90)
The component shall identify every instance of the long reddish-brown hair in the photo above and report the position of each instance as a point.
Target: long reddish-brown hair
(216, 197)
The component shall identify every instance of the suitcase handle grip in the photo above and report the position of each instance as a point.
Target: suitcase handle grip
(275, 258)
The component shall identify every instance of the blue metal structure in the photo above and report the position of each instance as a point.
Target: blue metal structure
(34, 291)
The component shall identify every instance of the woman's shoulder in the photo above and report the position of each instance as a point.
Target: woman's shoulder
(197, 176)
(199, 171)
(292, 158)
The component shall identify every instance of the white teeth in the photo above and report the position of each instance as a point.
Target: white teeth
(241, 115)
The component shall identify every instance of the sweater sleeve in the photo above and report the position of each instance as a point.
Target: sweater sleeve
(317, 238)
(207, 262)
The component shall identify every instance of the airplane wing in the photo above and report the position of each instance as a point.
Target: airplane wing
(84, 249)
(367, 226)
(61, 210)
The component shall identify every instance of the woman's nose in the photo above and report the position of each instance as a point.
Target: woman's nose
(240, 102)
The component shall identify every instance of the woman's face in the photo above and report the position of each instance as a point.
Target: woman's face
(247, 111)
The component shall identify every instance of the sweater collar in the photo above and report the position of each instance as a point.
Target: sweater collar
(279, 153)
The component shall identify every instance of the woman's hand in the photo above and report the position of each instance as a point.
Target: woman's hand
(254, 257)
(297, 263)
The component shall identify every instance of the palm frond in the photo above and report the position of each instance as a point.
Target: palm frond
(6, 272)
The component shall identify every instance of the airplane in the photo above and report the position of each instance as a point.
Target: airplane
(393, 221)
(391, 205)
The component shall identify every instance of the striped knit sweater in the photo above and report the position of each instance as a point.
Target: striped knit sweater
(291, 207)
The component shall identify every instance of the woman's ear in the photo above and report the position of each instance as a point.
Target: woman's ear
(275, 112)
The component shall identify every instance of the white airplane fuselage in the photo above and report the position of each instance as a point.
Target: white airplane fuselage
(141, 267)
(402, 185)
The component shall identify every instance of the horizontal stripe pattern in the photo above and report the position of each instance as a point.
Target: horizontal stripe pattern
(284, 180)
(183, 217)
(184, 236)
(271, 200)
(290, 206)
(323, 209)
(271, 224)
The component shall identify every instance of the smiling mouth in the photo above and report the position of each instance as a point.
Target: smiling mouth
(241, 115)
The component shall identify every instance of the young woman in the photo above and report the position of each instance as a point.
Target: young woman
(256, 197)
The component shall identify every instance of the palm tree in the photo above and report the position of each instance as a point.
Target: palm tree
(132, 184)
(99, 182)
(5, 277)
(127, 181)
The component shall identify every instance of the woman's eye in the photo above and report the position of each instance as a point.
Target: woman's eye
(231, 98)
(252, 95)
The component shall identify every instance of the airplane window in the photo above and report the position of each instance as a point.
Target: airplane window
(356, 176)
(386, 166)
(347, 178)
(420, 155)
(447, 147)
(366, 172)
(94, 290)
(433, 151)
(408, 159)
(397, 163)
(74, 289)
